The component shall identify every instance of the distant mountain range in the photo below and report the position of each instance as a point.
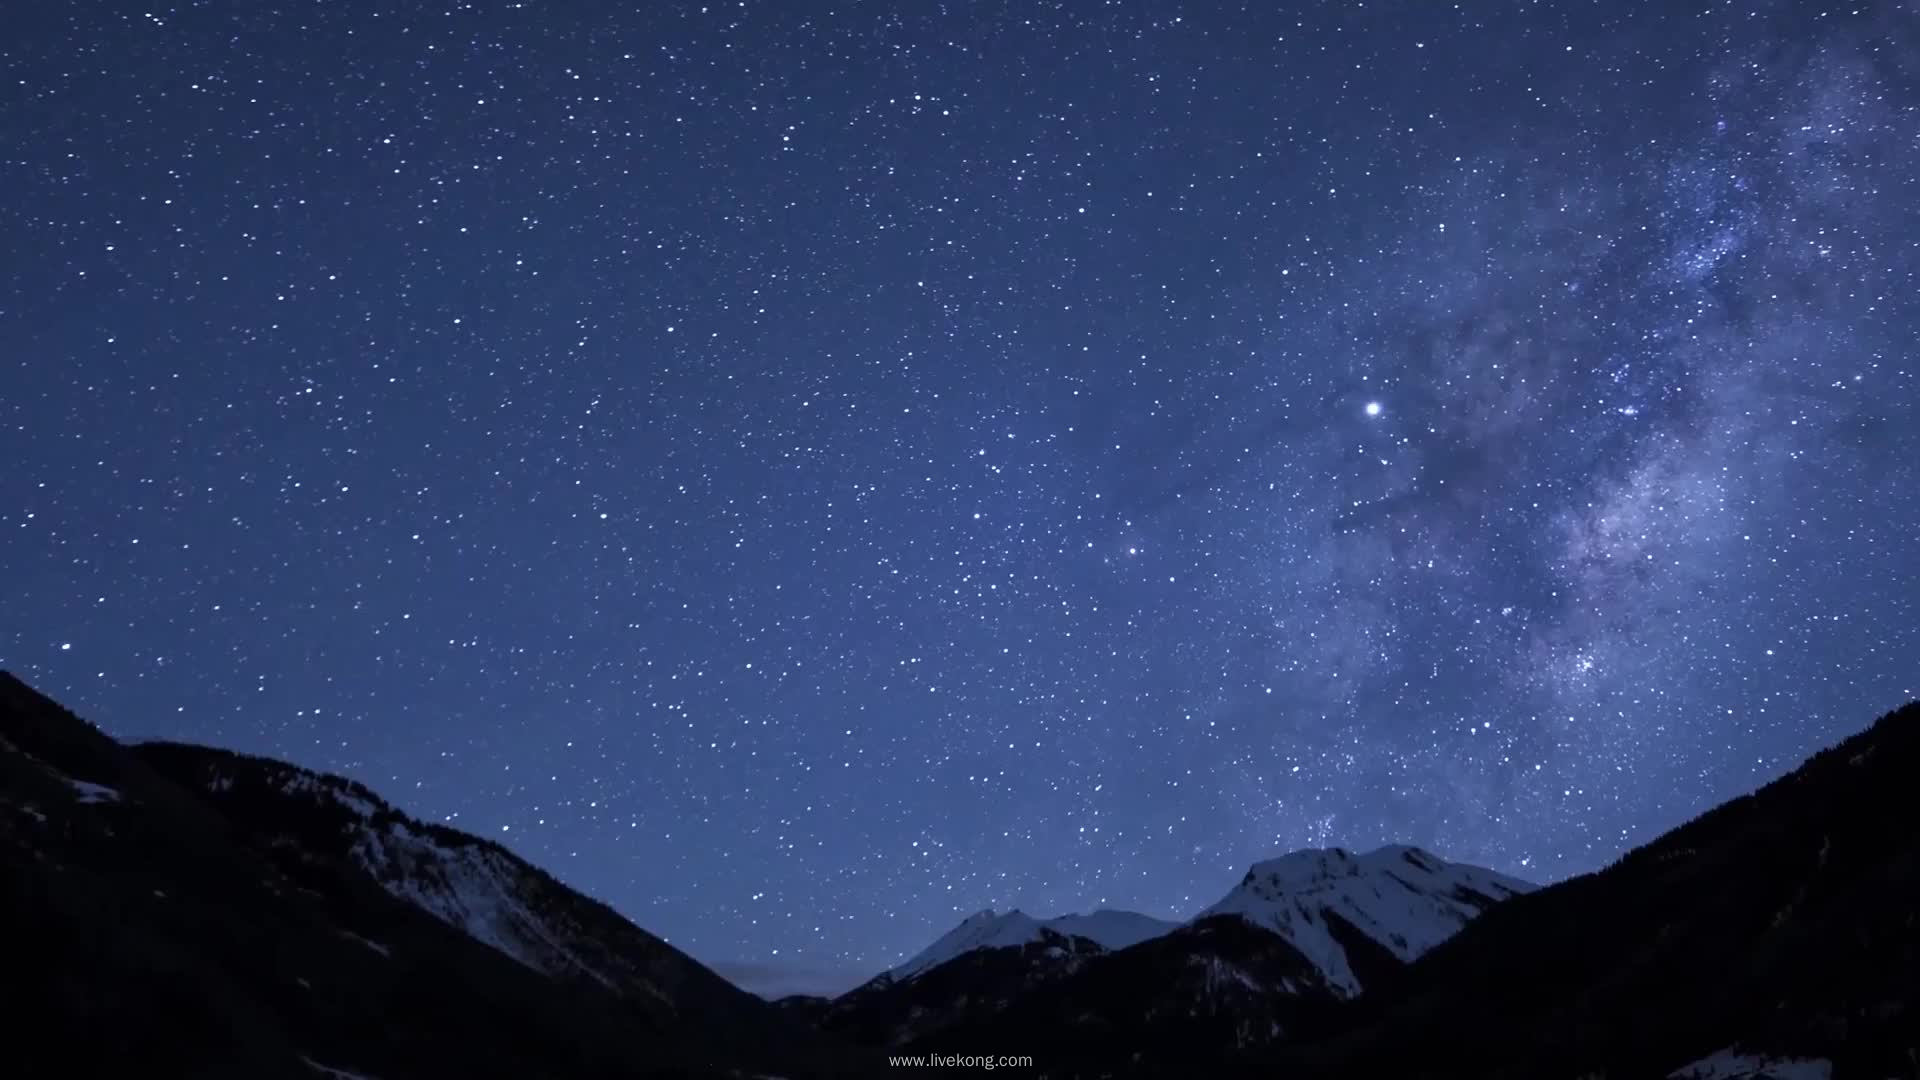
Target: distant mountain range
(176, 910)
(1298, 927)
(1105, 929)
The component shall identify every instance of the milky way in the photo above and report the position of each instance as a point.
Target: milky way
(807, 473)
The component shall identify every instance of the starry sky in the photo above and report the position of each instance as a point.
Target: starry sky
(804, 472)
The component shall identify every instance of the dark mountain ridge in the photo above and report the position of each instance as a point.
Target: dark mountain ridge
(309, 824)
(1271, 961)
(1785, 922)
(179, 911)
(176, 910)
(1776, 935)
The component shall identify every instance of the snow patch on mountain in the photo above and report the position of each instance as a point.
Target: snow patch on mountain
(1222, 975)
(332, 1073)
(1111, 929)
(293, 780)
(374, 945)
(471, 885)
(1730, 1064)
(988, 930)
(93, 793)
(85, 792)
(359, 800)
(1402, 897)
(475, 888)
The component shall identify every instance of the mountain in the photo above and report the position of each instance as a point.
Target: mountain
(173, 910)
(980, 966)
(985, 930)
(1297, 935)
(1274, 961)
(316, 827)
(1399, 898)
(1775, 935)
(187, 911)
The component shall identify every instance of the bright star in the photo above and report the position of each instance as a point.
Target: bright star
(1373, 408)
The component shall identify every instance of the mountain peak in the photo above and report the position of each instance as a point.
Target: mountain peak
(425, 944)
(1404, 898)
(985, 929)
(1323, 863)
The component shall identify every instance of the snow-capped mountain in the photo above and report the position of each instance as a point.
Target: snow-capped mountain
(980, 966)
(1772, 936)
(221, 914)
(1404, 899)
(213, 913)
(1297, 934)
(1107, 928)
(470, 884)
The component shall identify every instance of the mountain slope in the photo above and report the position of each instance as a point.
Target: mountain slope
(979, 967)
(1202, 996)
(1779, 926)
(1268, 961)
(1275, 960)
(316, 826)
(1776, 935)
(885, 1012)
(223, 926)
(986, 930)
(174, 910)
(1401, 898)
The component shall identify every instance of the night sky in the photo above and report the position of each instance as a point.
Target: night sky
(806, 472)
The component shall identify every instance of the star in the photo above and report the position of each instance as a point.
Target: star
(604, 395)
